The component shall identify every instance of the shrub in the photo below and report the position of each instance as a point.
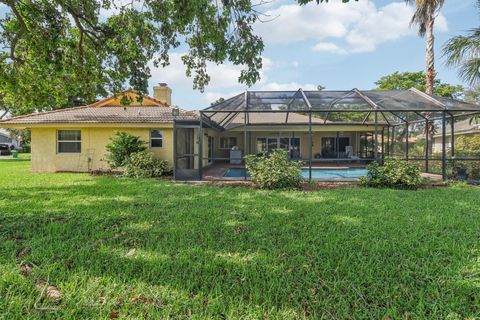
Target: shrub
(274, 170)
(121, 147)
(143, 165)
(395, 173)
(471, 167)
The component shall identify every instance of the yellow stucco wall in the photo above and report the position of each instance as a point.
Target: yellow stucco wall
(94, 140)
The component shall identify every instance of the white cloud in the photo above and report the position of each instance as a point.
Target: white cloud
(274, 86)
(295, 64)
(328, 47)
(221, 76)
(359, 26)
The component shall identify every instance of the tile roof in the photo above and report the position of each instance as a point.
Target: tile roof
(108, 110)
(108, 114)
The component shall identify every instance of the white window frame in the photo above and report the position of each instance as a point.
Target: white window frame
(156, 138)
(74, 141)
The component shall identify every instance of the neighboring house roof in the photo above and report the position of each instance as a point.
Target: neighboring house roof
(461, 127)
(108, 110)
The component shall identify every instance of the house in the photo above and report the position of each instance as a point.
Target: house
(5, 138)
(465, 128)
(75, 139)
(344, 128)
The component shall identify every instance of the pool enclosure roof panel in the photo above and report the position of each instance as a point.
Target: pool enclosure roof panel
(411, 100)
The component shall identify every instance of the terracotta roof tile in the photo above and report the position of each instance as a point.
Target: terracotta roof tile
(89, 114)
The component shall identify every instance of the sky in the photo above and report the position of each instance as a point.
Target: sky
(338, 46)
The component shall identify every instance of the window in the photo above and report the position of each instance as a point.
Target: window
(228, 142)
(268, 144)
(156, 138)
(69, 141)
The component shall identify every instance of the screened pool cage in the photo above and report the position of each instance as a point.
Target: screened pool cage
(407, 124)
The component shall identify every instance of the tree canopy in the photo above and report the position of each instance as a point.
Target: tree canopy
(407, 80)
(63, 53)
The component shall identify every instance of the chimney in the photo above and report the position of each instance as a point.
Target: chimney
(163, 93)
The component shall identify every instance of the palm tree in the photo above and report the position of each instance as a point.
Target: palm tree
(424, 17)
(464, 52)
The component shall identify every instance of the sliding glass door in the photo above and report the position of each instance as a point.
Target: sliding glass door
(268, 144)
(335, 147)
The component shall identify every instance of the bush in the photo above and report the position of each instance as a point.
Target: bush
(471, 167)
(121, 147)
(143, 165)
(274, 171)
(395, 173)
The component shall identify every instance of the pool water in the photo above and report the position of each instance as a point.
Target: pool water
(317, 173)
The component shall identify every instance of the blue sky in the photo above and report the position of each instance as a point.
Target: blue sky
(341, 46)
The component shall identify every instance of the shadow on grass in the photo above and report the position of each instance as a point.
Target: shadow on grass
(350, 253)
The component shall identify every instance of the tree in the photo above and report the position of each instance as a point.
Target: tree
(472, 95)
(463, 52)
(407, 80)
(122, 145)
(63, 53)
(424, 18)
(219, 100)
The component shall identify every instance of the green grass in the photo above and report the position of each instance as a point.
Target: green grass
(155, 249)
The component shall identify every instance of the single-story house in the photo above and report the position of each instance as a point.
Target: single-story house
(321, 128)
(75, 139)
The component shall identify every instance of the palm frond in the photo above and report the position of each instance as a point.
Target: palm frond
(424, 9)
(464, 52)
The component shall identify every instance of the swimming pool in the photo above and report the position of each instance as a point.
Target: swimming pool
(317, 173)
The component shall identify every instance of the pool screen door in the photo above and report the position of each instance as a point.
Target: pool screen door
(186, 152)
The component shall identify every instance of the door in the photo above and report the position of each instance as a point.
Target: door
(295, 148)
(366, 145)
(211, 149)
(186, 152)
(328, 147)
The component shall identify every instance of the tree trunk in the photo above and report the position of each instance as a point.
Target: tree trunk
(430, 56)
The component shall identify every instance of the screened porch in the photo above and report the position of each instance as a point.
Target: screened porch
(324, 128)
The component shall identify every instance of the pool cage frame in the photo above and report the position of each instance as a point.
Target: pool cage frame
(389, 110)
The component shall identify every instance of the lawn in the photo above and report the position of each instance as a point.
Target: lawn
(121, 248)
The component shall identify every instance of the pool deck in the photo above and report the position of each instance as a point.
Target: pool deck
(215, 172)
